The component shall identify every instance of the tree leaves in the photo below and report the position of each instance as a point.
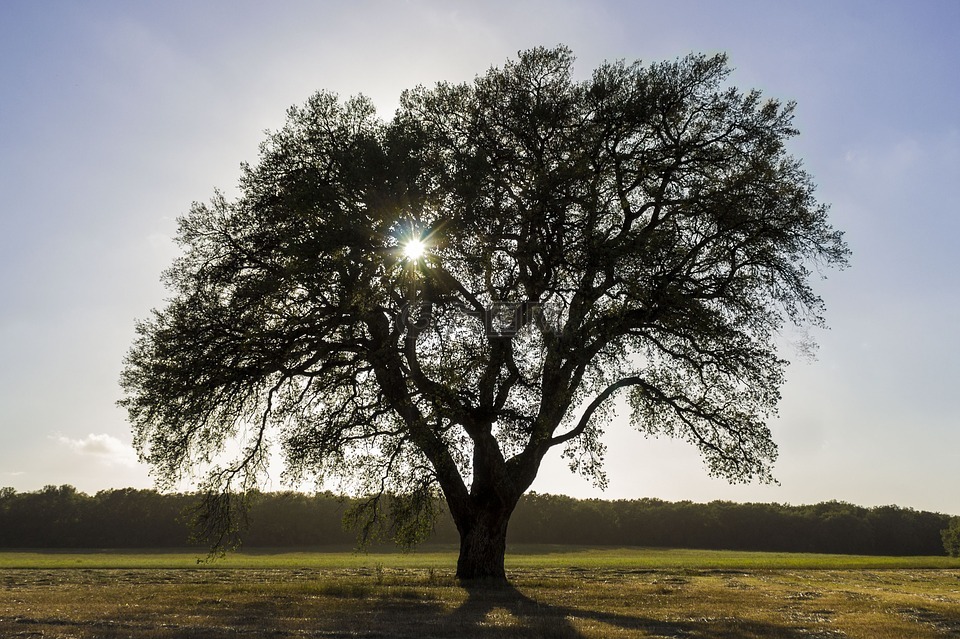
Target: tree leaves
(642, 229)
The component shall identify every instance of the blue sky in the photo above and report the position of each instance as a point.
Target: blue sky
(115, 116)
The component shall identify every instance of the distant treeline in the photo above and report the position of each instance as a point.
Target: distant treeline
(62, 517)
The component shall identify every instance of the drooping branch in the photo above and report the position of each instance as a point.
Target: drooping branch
(577, 430)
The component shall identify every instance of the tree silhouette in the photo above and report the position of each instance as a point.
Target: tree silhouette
(431, 303)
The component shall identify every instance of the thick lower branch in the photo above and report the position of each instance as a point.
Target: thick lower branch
(387, 367)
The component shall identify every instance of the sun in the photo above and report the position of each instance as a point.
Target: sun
(414, 250)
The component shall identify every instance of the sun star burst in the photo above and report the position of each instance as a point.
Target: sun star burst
(413, 250)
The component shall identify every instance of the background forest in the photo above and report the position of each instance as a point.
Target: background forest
(62, 517)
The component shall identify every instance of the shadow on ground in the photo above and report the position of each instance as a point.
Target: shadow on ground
(152, 608)
(504, 611)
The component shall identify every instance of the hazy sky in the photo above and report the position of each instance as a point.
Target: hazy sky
(115, 116)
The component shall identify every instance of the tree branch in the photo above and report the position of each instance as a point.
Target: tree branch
(592, 408)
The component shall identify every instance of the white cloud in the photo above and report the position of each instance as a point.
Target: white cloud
(104, 447)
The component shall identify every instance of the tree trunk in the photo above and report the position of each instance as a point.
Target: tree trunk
(483, 544)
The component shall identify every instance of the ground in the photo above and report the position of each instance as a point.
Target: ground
(592, 596)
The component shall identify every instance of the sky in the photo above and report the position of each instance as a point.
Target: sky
(115, 116)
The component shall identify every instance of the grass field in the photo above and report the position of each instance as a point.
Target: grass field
(556, 592)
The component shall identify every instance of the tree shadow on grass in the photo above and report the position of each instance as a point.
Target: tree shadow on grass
(354, 609)
(503, 611)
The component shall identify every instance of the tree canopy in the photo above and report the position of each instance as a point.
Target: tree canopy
(435, 301)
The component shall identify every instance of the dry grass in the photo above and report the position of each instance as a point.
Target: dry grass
(427, 603)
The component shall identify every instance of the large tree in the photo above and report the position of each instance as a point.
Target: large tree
(434, 302)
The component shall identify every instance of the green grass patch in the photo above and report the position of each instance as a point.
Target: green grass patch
(519, 557)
